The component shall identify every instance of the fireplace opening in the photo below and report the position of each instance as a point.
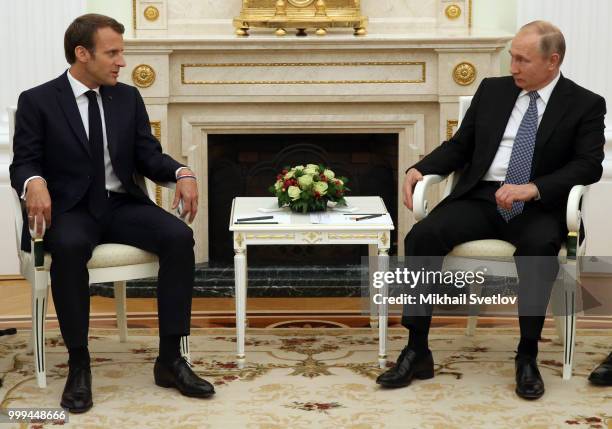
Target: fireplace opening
(246, 165)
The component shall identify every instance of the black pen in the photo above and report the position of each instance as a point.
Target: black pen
(254, 218)
(257, 223)
(369, 217)
(362, 214)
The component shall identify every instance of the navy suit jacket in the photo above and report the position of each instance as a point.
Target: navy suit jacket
(50, 141)
(568, 149)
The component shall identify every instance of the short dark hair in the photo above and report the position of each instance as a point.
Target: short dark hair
(82, 30)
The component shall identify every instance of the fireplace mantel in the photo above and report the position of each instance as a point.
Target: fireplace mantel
(392, 82)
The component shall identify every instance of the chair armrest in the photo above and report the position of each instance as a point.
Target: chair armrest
(573, 214)
(419, 202)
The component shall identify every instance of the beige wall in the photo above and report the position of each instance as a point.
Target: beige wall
(121, 10)
(498, 15)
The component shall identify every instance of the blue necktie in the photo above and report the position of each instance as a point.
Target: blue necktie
(519, 167)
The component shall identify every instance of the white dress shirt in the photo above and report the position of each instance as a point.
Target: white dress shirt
(499, 166)
(112, 181)
(79, 89)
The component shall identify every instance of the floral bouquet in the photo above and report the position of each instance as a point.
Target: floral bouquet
(309, 189)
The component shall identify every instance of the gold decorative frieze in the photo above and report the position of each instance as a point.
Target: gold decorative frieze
(464, 74)
(151, 13)
(156, 130)
(300, 15)
(143, 76)
(270, 236)
(335, 236)
(376, 65)
(452, 11)
(239, 239)
(450, 126)
(313, 237)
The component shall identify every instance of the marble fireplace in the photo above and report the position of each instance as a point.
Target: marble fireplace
(403, 78)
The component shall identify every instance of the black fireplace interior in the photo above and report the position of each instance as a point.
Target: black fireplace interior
(246, 165)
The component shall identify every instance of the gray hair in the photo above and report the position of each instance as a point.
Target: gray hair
(551, 38)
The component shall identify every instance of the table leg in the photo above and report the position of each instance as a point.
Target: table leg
(383, 265)
(240, 275)
(372, 267)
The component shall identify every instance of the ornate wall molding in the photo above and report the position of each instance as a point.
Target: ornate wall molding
(187, 81)
(143, 76)
(151, 13)
(464, 73)
(450, 125)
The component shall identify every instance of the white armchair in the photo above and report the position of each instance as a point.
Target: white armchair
(502, 252)
(110, 262)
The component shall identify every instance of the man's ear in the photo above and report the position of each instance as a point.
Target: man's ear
(81, 54)
(554, 61)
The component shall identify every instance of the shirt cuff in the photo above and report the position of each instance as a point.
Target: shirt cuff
(25, 185)
(178, 170)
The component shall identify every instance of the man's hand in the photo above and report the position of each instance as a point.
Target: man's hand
(410, 180)
(186, 190)
(508, 194)
(38, 205)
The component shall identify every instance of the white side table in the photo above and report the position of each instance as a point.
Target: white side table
(375, 233)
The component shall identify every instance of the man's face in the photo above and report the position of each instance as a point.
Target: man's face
(104, 63)
(530, 69)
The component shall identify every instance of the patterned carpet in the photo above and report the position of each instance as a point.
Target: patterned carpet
(298, 377)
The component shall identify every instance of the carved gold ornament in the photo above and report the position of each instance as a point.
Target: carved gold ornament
(450, 125)
(143, 76)
(151, 13)
(301, 3)
(156, 129)
(452, 11)
(464, 74)
(301, 15)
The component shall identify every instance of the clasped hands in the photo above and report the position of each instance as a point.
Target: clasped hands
(504, 196)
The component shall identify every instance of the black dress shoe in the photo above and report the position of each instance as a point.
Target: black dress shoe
(77, 392)
(602, 375)
(409, 365)
(529, 383)
(179, 375)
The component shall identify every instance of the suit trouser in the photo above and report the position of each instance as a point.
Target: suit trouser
(72, 238)
(536, 233)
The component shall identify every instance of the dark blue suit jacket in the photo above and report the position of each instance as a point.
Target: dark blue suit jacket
(50, 141)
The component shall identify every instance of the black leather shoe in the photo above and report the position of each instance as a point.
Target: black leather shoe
(602, 375)
(529, 383)
(77, 392)
(409, 365)
(180, 375)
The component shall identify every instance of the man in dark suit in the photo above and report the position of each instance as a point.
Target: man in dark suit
(524, 142)
(79, 140)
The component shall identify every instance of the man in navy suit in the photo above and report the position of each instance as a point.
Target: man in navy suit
(524, 142)
(79, 141)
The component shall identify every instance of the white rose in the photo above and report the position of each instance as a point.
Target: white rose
(294, 192)
(311, 171)
(289, 174)
(278, 185)
(312, 166)
(329, 174)
(320, 187)
(305, 181)
(298, 167)
(339, 182)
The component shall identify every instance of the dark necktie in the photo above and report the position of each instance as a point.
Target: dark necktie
(97, 190)
(519, 167)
